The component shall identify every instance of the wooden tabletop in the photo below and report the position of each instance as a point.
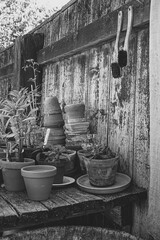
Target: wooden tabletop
(17, 210)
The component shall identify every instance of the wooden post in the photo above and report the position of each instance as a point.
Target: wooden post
(154, 193)
(17, 63)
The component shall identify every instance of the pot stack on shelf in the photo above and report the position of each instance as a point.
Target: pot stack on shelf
(76, 126)
(53, 122)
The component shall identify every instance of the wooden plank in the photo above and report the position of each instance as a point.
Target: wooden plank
(8, 216)
(29, 212)
(58, 207)
(141, 165)
(131, 194)
(82, 197)
(17, 63)
(93, 34)
(154, 193)
(142, 129)
(80, 203)
(122, 111)
(103, 88)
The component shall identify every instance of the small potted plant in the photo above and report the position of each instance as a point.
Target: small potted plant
(54, 155)
(17, 120)
(101, 164)
(102, 167)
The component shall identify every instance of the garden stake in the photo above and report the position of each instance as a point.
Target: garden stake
(115, 66)
(122, 54)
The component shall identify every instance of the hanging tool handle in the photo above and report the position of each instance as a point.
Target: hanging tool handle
(119, 26)
(129, 27)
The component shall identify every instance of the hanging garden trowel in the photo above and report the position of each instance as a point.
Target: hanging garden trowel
(122, 54)
(115, 66)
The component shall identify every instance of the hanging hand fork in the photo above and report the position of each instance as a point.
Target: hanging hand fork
(122, 55)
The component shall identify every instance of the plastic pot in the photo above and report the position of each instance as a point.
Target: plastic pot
(38, 181)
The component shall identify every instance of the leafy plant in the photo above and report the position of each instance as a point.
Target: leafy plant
(96, 150)
(4, 136)
(52, 154)
(18, 117)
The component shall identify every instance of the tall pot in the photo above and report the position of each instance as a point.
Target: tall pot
(11, 172)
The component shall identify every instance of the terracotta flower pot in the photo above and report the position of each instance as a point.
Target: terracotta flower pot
(77, 127)
(38, 181)
(53, 120)
(102, 172)
(52, 113)
(60, 166)
(58, 178)
(75, 111)
(11, 172)
(71, 160)
(54, 136)
(84, 159)
(51, 105)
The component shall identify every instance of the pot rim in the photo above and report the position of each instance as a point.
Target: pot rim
(16, 165)
(70, 152)
(75, 105)
(38, 171)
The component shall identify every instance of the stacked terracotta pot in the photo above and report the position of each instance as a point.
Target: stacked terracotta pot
(76, 126)
(53, 122)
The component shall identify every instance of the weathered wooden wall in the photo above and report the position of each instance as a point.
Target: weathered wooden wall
(76, 59)
(6, 70)
(76, 67)
(77, 55)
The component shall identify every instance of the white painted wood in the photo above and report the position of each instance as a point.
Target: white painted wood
(154, 193)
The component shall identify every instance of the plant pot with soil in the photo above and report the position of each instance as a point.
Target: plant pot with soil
(17, 122)
(99, 162)
(54, 156)
(84, 158)
(102, 167)
(71, 160)
(11, 173)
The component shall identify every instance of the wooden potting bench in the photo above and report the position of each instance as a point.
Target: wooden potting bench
(64, 204)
